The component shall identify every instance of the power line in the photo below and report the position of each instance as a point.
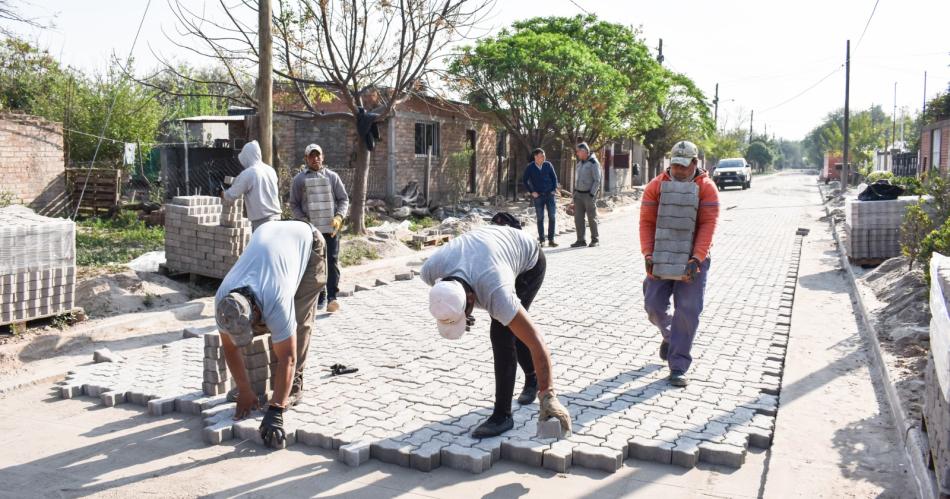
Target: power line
(115, 97)
(579, 7)
(803, 92)
(867, 24)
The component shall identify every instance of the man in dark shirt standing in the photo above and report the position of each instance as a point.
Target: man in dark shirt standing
(541, 181)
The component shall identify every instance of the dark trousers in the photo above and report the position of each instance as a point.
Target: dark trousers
(333, 266)
(508, 351)
(677, 329)
(540, 203)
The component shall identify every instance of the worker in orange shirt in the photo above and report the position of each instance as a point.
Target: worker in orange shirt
(678, 218)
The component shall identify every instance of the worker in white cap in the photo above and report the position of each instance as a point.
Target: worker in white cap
(499, 269)
(272, 287)
(319, 197)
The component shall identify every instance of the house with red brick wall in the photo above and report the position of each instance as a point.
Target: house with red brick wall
(32, 164)
(935, 147)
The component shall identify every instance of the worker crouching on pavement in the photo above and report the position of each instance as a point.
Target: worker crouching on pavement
(678, 216)
(272, 286)
(498, 269)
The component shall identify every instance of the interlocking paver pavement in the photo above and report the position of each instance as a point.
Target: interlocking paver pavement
(417, 396)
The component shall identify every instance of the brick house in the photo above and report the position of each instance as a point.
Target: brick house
(935, 147)
(32, 165)
(450, 129)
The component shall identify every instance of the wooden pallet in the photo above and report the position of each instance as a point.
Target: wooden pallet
(98, 188)
(19, 327)
(422, 241)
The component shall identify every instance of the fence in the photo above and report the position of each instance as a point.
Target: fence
(905, 164)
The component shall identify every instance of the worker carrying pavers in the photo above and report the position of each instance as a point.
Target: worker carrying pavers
(499, 269)
(258, 184)
(678, 216)
(319, 197)
(272, 287)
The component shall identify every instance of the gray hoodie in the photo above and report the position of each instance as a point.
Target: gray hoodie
(257, 183)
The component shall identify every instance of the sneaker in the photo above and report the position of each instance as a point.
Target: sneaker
(678, 378)
(321, 301)
(579, 244)
(552, 244)
(333, 306)
(493, 429)
(529, 392)
(664, 350)
(593, 243)
(541, 242)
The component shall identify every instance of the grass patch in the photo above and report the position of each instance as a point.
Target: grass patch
(356, 252)
(104, 242)
(421, 223)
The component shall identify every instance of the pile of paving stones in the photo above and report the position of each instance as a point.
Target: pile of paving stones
(37, 265)
(872, 228)
(204, 235)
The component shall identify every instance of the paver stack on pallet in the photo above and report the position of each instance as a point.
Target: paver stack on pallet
(872, 228)
(259, 360)
(37, 265)
(204, 235)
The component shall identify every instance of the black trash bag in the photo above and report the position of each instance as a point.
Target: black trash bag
(882, 190)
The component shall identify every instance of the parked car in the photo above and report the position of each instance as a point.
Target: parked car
(733, 171)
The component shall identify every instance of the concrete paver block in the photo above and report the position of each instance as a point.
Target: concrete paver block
(427, 457)
(651, 450)
(391, 451)
(550, 429)
(466, 458)
(356, 453)
(726, 455)
(559, 456)
(523, 451)
(597, 458)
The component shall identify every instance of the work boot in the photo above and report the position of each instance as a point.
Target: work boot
(321, 301)
(678, 378)
(491, 428)
(296, 390)
(664, 350)
(551, 243)
(333, 306)
(541, 241)
(594, 243)
(530, 390)
(579, 244)
(232, 395)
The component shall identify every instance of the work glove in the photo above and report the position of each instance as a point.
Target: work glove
(692, 269)
(272, 428)
(247, 401)
(648, 262)
(551, 408)
(337, 224)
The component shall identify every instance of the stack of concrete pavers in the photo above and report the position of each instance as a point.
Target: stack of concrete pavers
(37, 265)
(937, 376)
(675, 225)
(320, 203)
(259, 361)
(204, 235)
(873, 227)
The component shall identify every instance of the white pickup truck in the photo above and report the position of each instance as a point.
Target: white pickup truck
(733, 171)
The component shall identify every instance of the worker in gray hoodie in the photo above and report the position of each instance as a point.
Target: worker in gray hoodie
(258, 184)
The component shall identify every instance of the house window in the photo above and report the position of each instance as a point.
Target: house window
(935, 148)
(427, 135)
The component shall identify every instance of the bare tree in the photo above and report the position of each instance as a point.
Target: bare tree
(372, 55)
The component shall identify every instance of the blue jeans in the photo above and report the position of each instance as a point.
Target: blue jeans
(680, 328)
(541, 202)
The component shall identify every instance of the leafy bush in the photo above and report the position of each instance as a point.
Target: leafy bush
(939, 241)
(101, 242)
(875, 176)
(914, 229)
(420, 223)
(355, 251)
(911, 185)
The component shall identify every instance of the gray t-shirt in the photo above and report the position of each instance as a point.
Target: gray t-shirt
(488, 259)
(273, 265)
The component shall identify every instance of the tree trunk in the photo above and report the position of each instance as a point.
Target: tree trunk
(656, 163)
(360, 182)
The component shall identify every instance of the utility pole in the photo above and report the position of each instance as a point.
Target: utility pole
(751, 117)
(923, 109)
(845, 168)
(659, 55)
(265, 82)
(716, 108)
(894, 117)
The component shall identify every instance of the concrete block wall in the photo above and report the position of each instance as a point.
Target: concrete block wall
(32, 166)
(37, 265)
(872, 228)
(204, 235)
(937, 376)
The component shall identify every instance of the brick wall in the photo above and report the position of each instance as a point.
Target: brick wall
(926, 156)
(32, 167)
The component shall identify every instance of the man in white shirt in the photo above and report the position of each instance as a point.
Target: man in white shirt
(273, 286)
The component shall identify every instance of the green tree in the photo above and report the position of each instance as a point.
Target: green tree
(759, 154)
(938, 108)
(726, 144)
(684, 115)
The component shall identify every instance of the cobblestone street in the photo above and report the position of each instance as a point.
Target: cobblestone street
(417, 396)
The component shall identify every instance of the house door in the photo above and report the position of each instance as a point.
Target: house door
(472, 170)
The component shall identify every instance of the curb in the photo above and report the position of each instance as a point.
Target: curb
(912, 439)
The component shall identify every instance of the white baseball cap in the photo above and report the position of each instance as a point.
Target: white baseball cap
(312, 147)
(447, 305)
(683, 153)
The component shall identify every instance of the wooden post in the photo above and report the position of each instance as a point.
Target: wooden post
(265, 82)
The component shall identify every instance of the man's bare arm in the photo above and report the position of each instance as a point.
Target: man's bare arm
(286, 352)
(525, 330)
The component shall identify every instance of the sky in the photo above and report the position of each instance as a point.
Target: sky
(780, 62)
